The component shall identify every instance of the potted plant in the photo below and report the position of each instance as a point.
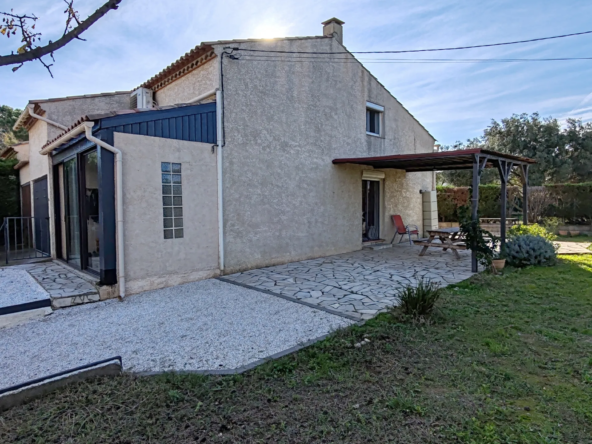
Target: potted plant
(499, 259)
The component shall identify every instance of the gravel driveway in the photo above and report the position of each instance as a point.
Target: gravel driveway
(18, 287)
(206, 325)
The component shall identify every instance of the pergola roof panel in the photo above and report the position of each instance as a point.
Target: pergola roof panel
(441, 160)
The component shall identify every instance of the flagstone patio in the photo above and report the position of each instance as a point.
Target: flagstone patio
(359, 284)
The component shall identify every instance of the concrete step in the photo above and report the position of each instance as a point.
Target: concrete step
(378, 246)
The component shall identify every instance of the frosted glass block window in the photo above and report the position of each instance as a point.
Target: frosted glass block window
(172, 200)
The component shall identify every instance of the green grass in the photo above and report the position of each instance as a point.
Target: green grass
(507, 359)
(580, 238)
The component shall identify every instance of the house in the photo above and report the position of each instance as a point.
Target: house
(223, 162)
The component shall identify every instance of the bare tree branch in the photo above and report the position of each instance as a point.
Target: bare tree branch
(27, 53)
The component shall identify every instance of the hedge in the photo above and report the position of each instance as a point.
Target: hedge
(570, 202)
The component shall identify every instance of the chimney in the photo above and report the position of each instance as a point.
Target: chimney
(333, 28)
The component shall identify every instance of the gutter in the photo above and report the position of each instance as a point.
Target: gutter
(204, 96)
(86, 128)
(31, 109)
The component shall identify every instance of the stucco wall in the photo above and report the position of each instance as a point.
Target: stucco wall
(69, 111)
(150, 260)
(197, 82)
(24, 175)
(283, 198)
(38, 165)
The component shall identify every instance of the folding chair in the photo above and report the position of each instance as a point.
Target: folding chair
(402, 229)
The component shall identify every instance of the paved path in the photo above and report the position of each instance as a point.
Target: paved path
(64, 287)
(359, 284)
(206, 325)
(573, 247)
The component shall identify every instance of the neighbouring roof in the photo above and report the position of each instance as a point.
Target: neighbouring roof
(441, 160)
(26, 121)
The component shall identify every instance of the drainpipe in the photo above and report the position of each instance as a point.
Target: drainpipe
(31, 109)
(204, 96)
(119, 196)
(219, 136)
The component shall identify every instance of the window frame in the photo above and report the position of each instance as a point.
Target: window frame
(379, 110)
(172, 201)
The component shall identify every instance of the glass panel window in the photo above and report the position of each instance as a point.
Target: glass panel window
(172, 200)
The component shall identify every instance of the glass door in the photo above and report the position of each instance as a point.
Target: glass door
(370, 210)
(91, 210)
(72, 213)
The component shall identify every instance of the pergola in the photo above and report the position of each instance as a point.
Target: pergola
(475, 159)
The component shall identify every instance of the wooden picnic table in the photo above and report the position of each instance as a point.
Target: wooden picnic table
(498, 220)
(450, 238)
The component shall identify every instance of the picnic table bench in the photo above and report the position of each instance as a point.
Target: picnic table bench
(450, 239)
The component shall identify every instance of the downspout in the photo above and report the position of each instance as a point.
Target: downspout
(119, 196)
(31, 109)
(219, 136)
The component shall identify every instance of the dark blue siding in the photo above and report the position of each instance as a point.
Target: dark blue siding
(195, 123)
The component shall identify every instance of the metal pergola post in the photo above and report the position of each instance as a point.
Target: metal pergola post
(504, 168)
(524, 169)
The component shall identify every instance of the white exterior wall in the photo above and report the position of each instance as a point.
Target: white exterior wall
(150, 260)
(199, 81)
(285, 122)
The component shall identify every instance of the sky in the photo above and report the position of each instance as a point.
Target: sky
(454, 101)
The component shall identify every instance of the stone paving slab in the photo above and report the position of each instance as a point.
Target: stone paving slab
(62, 284)
(573, 247)
(360, 284)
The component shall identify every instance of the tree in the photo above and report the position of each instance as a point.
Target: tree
(8, 117)
(24, 24)
(539, 139)
(562, 155)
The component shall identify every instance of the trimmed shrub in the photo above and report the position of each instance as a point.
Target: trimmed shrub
(533, 230)
(419, 301)
(522, 251)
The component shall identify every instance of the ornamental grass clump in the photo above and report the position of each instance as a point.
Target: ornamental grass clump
(418, 302)
(526, 250)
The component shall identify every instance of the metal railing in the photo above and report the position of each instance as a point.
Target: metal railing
(25, 238)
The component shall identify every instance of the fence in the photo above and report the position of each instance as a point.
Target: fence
(23, 238)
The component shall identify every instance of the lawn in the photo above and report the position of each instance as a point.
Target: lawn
(507, 359)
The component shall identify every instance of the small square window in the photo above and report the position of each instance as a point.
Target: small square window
(178, 201)
(167, 212)
(167, 201)
(165, 167)
(178, 233)
(178, 211)
(168, 234)
(177, 168)
(177, 190)
(166, 178)
(168, 222)
(167, 190)
(179, 222)
(176, 178)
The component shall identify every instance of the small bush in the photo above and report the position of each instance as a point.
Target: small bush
(522, 251)
(533, 230)
(419, 301)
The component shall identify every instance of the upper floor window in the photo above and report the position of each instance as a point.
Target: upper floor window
(374, 114)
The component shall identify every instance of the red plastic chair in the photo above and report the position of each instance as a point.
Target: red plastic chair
(402, 229)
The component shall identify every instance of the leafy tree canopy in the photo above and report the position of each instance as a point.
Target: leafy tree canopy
(562, 154)
(8, 117)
